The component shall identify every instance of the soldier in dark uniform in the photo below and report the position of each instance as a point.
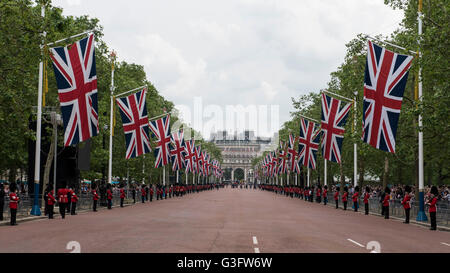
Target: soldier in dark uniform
(62, 201)
(13, 203)
(74, 200)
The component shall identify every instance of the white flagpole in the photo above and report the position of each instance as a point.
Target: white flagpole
(36, 210)
(111, 125)
(296, 179)
(324, 172)
(355, 145)
(177, 176)
(164, 175)
(308, 177)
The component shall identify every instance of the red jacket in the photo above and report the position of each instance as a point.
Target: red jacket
(109, 193)
(433, 205)
(366, 198)
(386, 200)
(151, 191)
(143, 192)
(318, 192)
(336, 195)
(63, 195)
(325, 193)
(95, 195)
(13, 200)
(50, 199)
(122, 193)
(355, 197)
(405, 202)
(74, 198)
(344, 197)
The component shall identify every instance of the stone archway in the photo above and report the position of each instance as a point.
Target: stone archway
(239, 174)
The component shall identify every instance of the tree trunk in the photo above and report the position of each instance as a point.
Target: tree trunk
(386, 172)
(361, 173)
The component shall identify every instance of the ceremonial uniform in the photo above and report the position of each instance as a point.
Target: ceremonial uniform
(109, 196)
(325, 196)
(143, 194)
(122, 197)
(386, 205)
(50, 203)
(406, 206)
(13, 204)
(151, 194)
(63, 199)
(344, 199)
(366, 202)
(432, 209)
(336, 198)
(95, 197)
(74, 200)
(69, 200)
(318, 195)
(355, 201)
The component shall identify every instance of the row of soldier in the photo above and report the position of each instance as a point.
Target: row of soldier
(309, 192)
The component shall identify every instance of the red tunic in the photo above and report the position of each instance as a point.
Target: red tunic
(386, 200)
(122, 194)
(366, 198)
(405, 202)
(355, 197)
(13, 200)
(62, 195)
(325, 193)
(109, 193)
(95, 195)
(344, 197)
(336, 195)
(433, 205)
(143, 192)
(318, 192)
(50, 198)
(74, 198)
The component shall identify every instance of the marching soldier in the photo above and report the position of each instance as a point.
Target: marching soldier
(432, 209)
(143, 193)
(95, 197)
(122, 196)
(50, 203)
(13, 203)
(336, 196)
(386, 202)
(151, 193)
(355, 199)
(62, 201)
(366, 200)
(325, 195)
(109, 196)
(74, 200)
(406, 203)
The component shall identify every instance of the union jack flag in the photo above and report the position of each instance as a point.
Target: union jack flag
(308, 143)
(384, 84)
(190, 155)
(76, 78)
(198, 160)
(292, 151)
(133, 110)
(207, 163)
(273, 163)
(178, 150)
(282, 158)
(161, 130)
(334, 117)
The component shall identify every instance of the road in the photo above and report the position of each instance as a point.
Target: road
(225, 221)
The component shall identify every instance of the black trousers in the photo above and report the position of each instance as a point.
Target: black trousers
(151, 197)
(68, 206)
(325, 200)
(433, 220)
(109, 204)
(13, 216)
(121, 202)
(355, 205)
(95, 205)
(50, 211)
(143, 199)
(62, 209)
(407, 211)
(73, 209)
(366, 207)
(319, 199)
(345, 205)
(382, 210)
(386, 212)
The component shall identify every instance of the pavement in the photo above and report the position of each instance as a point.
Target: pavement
(223, 221)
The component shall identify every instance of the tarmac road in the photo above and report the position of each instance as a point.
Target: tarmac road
(224, 221)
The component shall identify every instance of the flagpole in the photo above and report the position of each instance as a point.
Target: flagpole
(177, 176)
(164, 175)
(355, 145)
(36, 210)
(421, 216)
(308, 177)
(324, 172)
(111, 115)
(129, 91)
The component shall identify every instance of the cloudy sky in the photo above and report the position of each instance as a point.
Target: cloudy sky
(231, 52)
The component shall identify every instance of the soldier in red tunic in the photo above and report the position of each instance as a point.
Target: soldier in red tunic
(387, 196)
(319, 194)
(344, 197)
(109, 196)
(63, 199)
(13, 203)
(336, 196)
(122, 196)
(355, 197)
(406, 203)
(432, 210)
(143, 193)
(50, 202)
(69, 200)
(95, 197)
(74, 200)
(325, 195)
(151, 193)
(366, 200)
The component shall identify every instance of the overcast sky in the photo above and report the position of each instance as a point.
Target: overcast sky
(230, 52)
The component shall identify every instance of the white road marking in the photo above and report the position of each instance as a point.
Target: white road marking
(356, 243)
(445, 244)
(255, 241)
(256, 250)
